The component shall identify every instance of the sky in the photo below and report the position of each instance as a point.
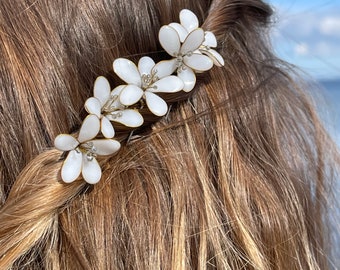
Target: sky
(307, 34)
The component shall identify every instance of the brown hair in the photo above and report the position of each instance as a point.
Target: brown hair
(237, 176)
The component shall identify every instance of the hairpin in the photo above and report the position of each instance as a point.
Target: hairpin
(192, 52)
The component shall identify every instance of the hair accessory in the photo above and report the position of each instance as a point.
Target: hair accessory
(191, 49)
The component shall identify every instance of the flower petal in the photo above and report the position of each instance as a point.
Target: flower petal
(145, 65)
(116, 104)
(127, 71)
(71, 166)
(215, 56)
(65, 142)
(130, 95)
(156, 104)
(101, 90)
(93, 106)
(188, 19)
(181, 31)
(193, 41)
(169, 84)
(91, 170)
(116, 91)
(210, 39)
(165, 68)
(106, 147)
(188, 77)
(106, 128)
(128, 117)
(169, 40)
(89, 129)
(198, 62)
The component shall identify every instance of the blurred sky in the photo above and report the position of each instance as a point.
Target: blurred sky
(307, 34)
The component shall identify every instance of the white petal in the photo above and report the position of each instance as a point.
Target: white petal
(169, 84)
(71, 166)
(181, 31)
(89, 129)
(106, 147)
(101, 89)
(65, 142)
(130, 95)
(193, 41)
(169, 40)
(106, 128)
(215, 56)
(127, 71)
(128, 117)
(188, 77)
(91, 170)
(188, 19)
(210, 39)
(145, 65)
(156, 104)
(117, 90)
(93, 106)
(115, 93)
(165, 68)
(198, 62)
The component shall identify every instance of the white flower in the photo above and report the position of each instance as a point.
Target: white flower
(83, 151)
(187, 42)
(146, 80)
(189, 22)
(106, 106)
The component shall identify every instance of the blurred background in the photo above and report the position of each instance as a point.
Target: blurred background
(306, 33)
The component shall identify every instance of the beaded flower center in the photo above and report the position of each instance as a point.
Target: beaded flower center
(180, 60)
(88, 149)
(149, 79)
(110, 108)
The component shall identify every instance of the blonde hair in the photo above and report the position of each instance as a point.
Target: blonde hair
(237, 176)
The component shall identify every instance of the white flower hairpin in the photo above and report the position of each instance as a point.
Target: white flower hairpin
(191, 49)
(83, 151)
(144, 82)
(106, 106)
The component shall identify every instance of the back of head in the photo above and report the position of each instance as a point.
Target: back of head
(235, 176)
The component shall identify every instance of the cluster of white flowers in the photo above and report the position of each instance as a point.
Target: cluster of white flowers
(191, 49)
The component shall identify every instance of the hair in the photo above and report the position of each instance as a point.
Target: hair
(238, 175)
